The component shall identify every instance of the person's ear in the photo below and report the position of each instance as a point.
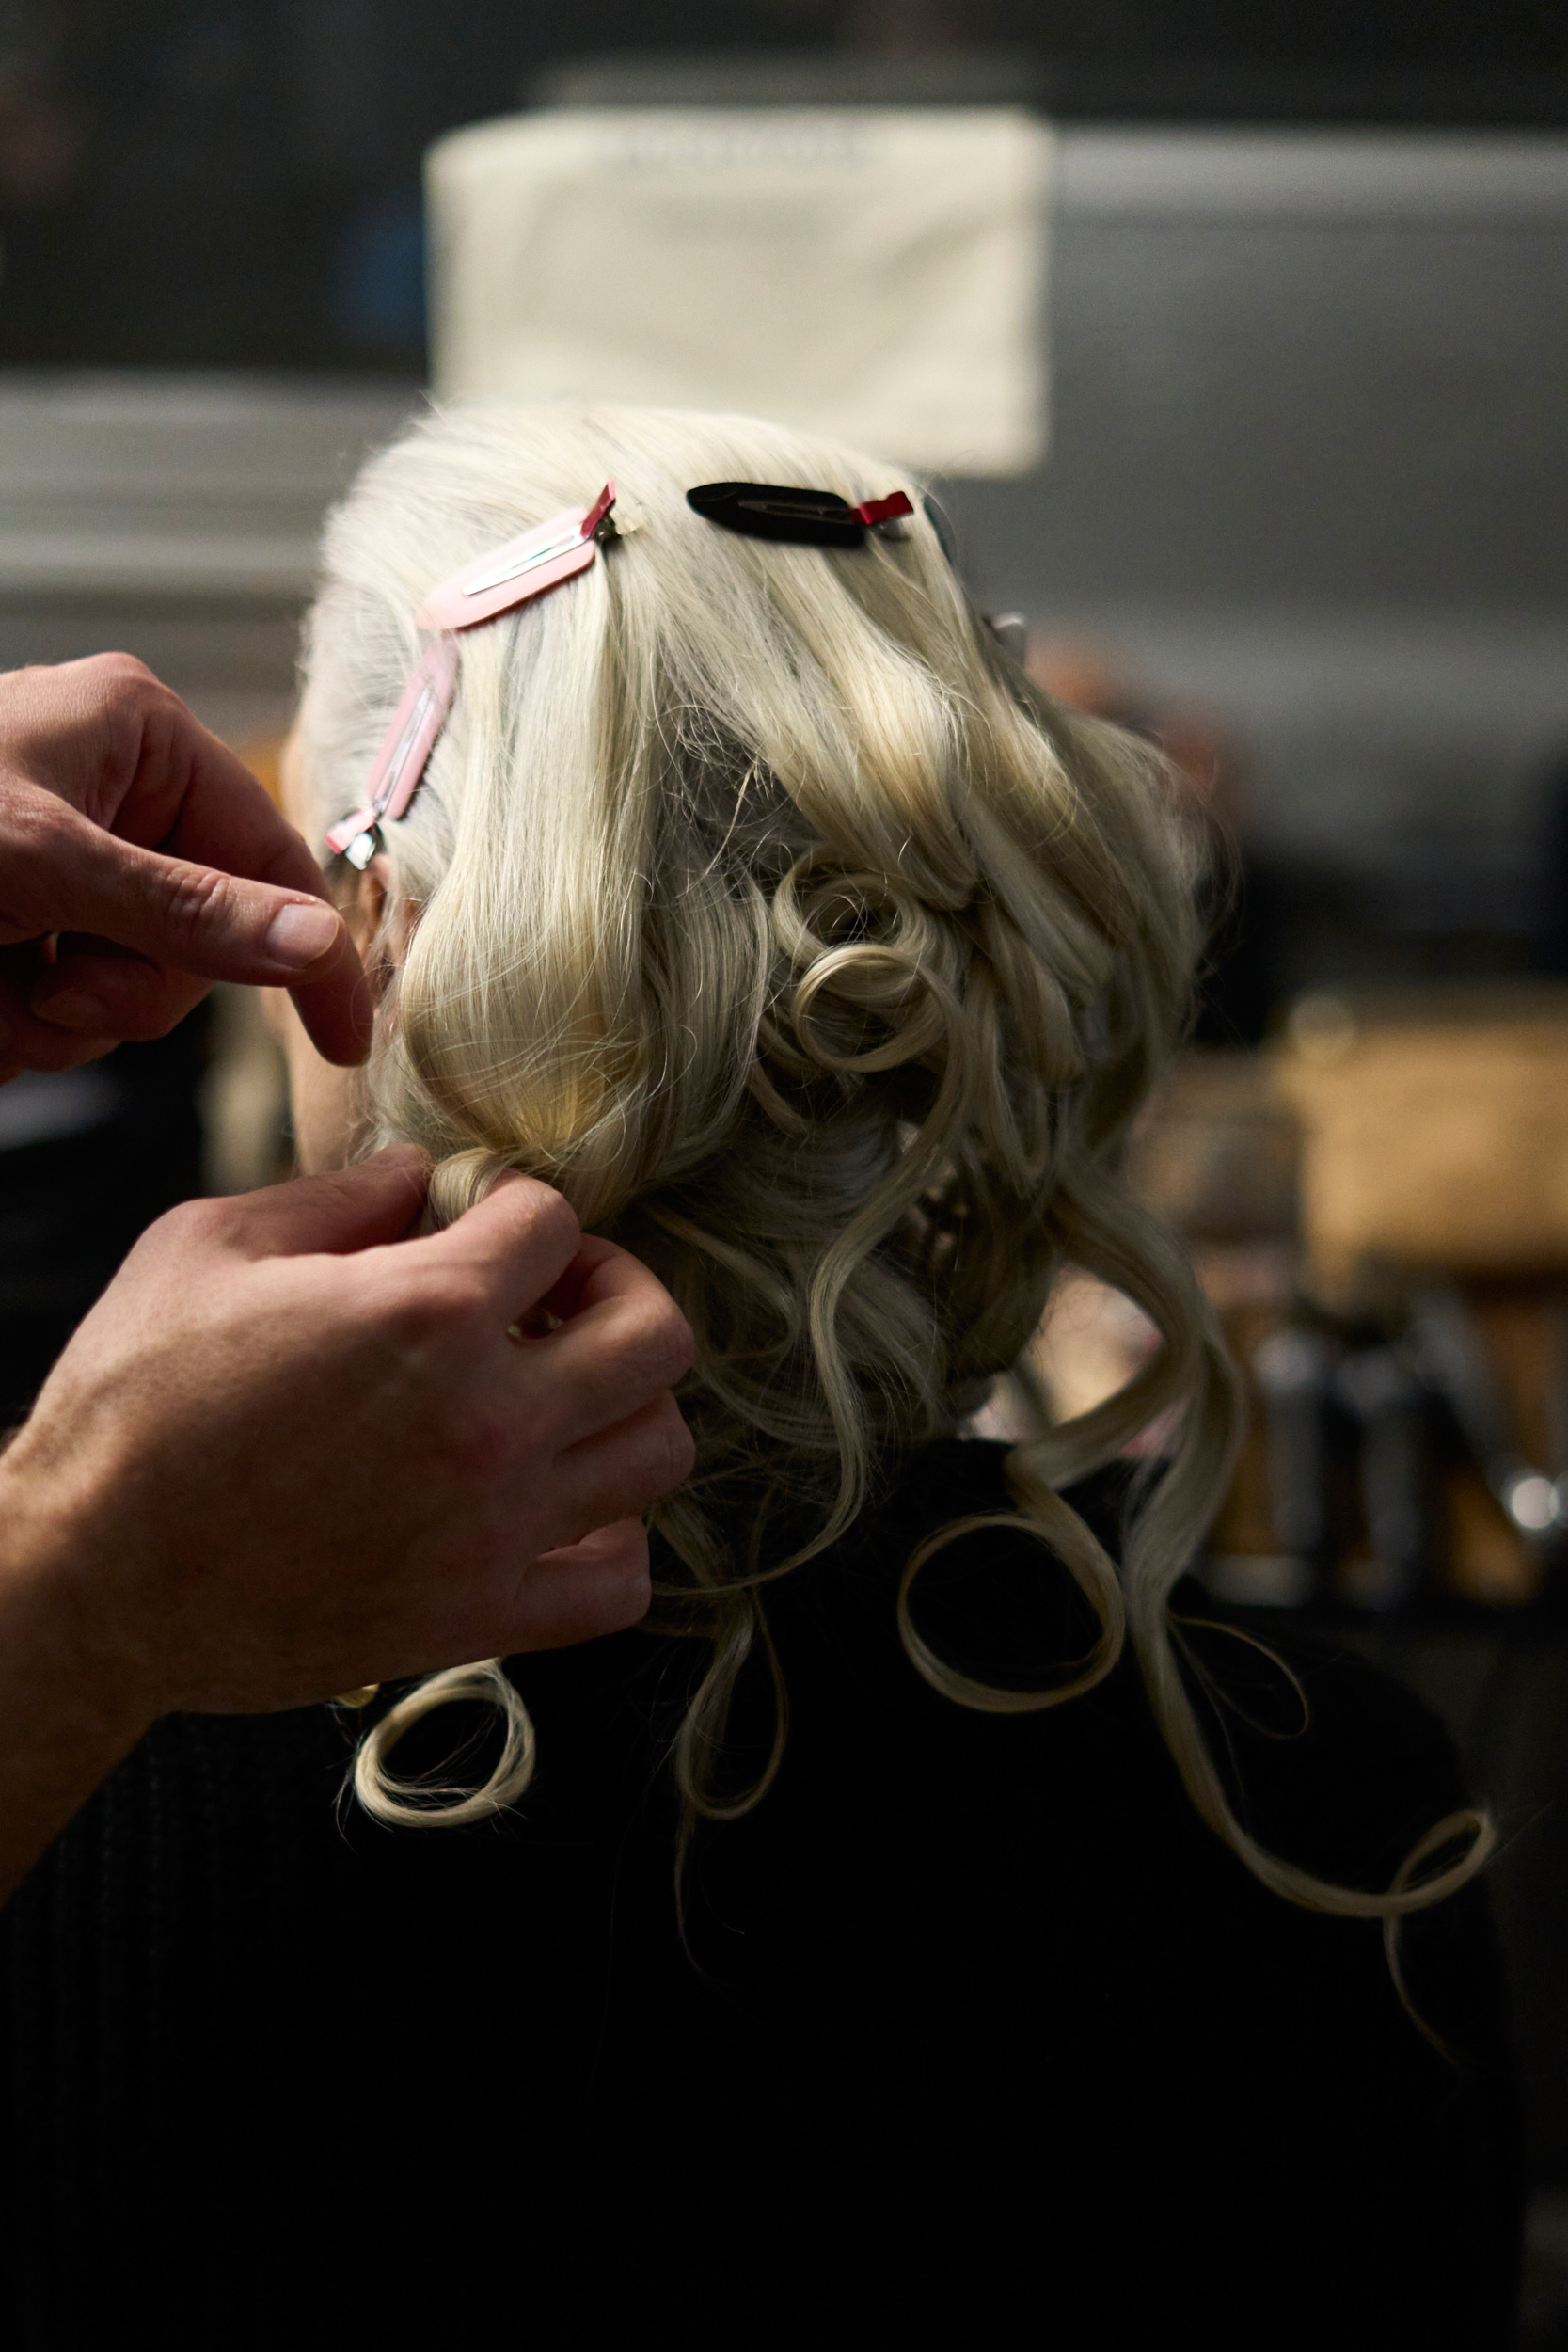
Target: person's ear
(380, 925)
(364, 907)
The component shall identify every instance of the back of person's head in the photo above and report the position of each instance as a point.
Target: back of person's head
(762, 905)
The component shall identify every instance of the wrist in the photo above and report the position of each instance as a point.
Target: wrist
(54, 1635)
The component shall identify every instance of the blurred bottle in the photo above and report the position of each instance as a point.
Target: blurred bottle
(1294, 1369)
(1391, 1409)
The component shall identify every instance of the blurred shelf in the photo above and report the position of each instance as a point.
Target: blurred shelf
(176, 517)
(132, 486)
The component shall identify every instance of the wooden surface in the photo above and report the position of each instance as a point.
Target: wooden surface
(1435, 1140)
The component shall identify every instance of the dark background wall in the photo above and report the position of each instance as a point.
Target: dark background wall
(218, 182)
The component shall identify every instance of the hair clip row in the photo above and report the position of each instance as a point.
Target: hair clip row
(543, 558)
(493, 583)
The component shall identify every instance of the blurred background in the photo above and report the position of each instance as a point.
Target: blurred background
(1235, 342)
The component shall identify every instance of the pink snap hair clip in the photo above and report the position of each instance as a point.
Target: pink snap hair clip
(492, 584)
(523, 567)
(406, 749)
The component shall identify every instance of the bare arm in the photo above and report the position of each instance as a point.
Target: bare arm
(291, 1451)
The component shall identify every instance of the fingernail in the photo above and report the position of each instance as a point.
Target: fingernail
(301, 935)
(74, 1008)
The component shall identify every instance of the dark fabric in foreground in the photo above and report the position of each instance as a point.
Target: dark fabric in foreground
(984, 2037)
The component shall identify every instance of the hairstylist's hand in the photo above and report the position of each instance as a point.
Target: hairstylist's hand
(139, 862)
(291, 1452)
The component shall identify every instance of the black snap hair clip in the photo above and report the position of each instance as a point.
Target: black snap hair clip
(812, 518)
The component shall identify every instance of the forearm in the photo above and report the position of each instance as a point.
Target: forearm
(291, 1452)
(64, 1724)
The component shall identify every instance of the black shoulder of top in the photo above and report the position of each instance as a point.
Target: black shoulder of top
(970, 2025)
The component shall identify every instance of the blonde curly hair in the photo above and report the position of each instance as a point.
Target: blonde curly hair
(766, 908)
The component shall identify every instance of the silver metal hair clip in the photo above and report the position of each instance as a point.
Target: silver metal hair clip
(1011, 632)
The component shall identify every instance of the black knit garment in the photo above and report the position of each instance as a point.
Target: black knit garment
(975, 2034)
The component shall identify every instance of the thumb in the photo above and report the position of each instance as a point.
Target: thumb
(347, 1210)
(194, 919)
(72, 876)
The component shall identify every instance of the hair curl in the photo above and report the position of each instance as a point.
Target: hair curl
(765, 908)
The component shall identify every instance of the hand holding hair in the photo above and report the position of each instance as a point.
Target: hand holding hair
(139, 862)
(203, 1514)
